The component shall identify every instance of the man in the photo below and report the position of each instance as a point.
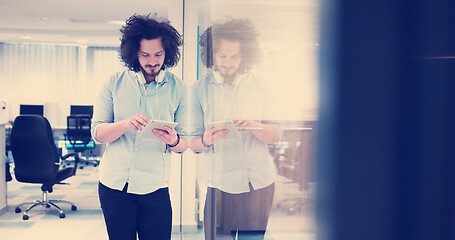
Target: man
(239, 169)
(134, 170)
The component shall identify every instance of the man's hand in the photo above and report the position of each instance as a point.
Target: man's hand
(266, 133)
(136, 122)
(243, 124)
(213, 135)
(109, 132)
(169, 136)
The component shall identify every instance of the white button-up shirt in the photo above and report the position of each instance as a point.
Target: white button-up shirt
(142, 162)
(232, 163)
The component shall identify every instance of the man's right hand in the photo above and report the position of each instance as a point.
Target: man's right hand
(136, 122)
(213, 135)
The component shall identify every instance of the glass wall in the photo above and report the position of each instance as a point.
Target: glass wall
(254, 62)
(257, 66)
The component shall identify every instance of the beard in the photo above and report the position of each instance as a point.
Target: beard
(153, 72)
(227, 73)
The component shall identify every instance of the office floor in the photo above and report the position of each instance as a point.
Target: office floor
(87, 222)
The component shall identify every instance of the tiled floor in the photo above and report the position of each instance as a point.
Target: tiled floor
(87, 222)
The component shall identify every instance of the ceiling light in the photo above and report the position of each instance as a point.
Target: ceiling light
(115, 22)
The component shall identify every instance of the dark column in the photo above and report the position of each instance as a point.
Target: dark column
(385, 162)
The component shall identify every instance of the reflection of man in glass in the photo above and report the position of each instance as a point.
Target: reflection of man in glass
(239, 168)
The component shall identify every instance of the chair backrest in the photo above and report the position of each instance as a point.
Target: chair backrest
(304, 157)
(78, 131)
(297, 162)
(34, 152)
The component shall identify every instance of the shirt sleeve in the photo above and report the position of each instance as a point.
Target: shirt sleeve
(103, 111)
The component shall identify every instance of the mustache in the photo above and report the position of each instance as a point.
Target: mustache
(229, 68)
(156, 65)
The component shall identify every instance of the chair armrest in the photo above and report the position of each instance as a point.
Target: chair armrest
(75, 155)
(76, 160)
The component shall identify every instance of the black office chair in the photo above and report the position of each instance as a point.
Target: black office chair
(79, 137)
(296, 164)
(36, 160)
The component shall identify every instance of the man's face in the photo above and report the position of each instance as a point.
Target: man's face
(228, 58)
(151, 56)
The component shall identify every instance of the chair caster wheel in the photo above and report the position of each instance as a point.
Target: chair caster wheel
(73, 208)
(48, 205)
(17, 210)
(62, 215)
(25, 217)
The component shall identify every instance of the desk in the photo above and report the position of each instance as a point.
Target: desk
(59, 131)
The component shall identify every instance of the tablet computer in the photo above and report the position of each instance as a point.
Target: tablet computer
(220, 125)
(158, 124)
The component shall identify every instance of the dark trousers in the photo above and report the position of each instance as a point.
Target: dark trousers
(244, 215)
(128, 215)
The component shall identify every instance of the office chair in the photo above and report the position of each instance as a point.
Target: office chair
(36, 160)
(79, 137)
(296, 165)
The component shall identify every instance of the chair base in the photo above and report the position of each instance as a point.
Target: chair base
(82, 162)
(87, 162)
(292, 205)
(298, 204)
(45, 203)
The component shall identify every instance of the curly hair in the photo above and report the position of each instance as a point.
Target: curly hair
(236, 30)
(140, 27)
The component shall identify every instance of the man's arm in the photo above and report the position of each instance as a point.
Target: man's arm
(266, 133)
(210, 137)
(181, 146)
(109, 132)
(196, 145)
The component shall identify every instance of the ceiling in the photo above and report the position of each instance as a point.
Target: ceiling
(97, 22)
(86, 22)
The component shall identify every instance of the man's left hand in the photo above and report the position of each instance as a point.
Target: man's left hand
(242, 123)
(168, 136)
